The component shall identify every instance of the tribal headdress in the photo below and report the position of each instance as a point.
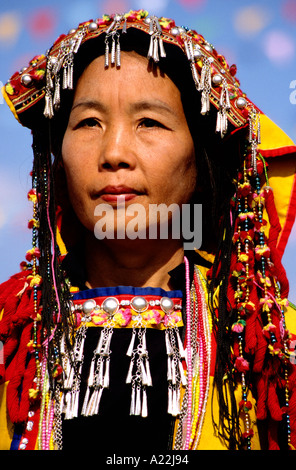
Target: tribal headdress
(248, 285)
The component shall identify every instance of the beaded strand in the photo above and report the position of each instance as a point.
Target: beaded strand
(188, 349)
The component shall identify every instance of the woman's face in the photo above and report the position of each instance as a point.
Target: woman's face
(127, 142)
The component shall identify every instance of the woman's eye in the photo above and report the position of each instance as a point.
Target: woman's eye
(89, 122)
(147, 122)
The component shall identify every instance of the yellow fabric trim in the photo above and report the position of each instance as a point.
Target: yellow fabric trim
(133, 323)
(209, 439)
(281, 174)
(272, 136)
(290, 318)
(9, 102)
(6, 426)
(60, 243)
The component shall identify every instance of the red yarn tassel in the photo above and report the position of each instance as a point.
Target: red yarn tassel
(260, 352)
(273, 403)
(14, 386)
(262, 397)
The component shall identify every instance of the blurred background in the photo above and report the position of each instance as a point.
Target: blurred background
(258, 36)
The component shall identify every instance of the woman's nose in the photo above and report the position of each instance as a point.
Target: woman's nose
(116, 151)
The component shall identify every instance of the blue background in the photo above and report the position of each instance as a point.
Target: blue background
(259, 37)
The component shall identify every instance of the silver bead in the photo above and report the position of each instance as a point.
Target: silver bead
(110, 305)
(166, 304)
(217, 79)
(139, 304)
(26, 80)
(175, 31)
(72, 31)
(30, 425)
(88, 306)
(241, 102)
(23, 69)
(208, 48)
(197, 52)
(23, 443)
(181, 30)
(92, 26)
(53, 59)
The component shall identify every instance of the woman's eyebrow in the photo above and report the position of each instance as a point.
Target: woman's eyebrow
(143, 105)
(90, 104)
(150, 105)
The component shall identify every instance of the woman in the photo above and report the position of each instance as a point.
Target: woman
(108, 328)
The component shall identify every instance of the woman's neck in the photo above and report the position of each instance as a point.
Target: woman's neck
(135, 263)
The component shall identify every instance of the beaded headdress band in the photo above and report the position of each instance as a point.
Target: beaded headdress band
(46, 75)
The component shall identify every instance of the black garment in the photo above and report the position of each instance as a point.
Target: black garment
(113, 428)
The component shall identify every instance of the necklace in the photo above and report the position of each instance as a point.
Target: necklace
(188, 364)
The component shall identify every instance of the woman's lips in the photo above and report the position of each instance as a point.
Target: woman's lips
(118, 194)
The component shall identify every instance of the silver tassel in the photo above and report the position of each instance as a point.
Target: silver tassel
(205, 86)
(106, 53)
(170, 401)
(113, 48)
(151, 47)
(132, 407)
(258, 131)
(124, 26)
(85, 402)
(144, 411)
(130, 373)
(118, 58)
(173, 372)
(132, 342)
(80, 36)
(156, 46)
(70, 74)
(155, 50)
(48, 109)
(224, 103)
(143, 373)
(65, 78)
(161, 47)
(100, 343)
(107, 374)
(148, 373)
(195, 76)
(138, 402)
(169, 349)
(180, 344)
(205, 103)
(57, 98)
